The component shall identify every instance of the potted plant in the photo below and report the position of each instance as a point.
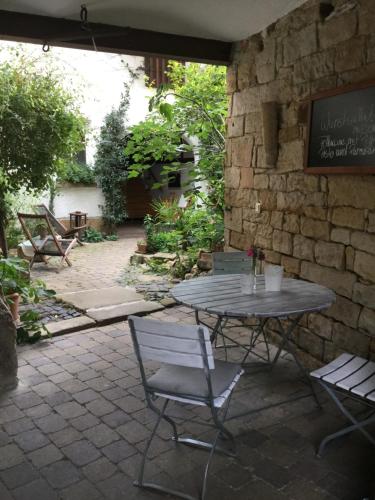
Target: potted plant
(142, 246)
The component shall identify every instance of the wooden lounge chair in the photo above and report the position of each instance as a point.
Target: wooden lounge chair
(46, 244)
(58, 226)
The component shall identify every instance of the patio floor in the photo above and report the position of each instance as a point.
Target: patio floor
(74, 428)
(95, 265)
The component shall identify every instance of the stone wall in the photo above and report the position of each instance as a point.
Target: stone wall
(319, 227)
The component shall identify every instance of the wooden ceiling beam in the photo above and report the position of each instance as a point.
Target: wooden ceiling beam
(108, 38)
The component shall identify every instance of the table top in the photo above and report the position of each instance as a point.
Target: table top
(221, 295)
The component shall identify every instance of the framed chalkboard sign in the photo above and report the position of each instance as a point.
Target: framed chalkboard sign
(341, 131)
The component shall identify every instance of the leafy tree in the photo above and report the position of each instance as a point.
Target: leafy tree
(40, 127)
(193, 105)
(111, 162)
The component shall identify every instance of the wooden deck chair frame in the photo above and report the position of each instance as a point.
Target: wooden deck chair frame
(58, 226)
(39, 250)
(235, 263)
(187, 346)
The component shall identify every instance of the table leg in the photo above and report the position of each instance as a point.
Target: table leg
(289, 346)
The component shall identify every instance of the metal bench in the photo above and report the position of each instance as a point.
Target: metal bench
(354, 377)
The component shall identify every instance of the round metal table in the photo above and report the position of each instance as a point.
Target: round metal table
(221, 295)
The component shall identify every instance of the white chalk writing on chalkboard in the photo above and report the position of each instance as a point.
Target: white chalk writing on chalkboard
(346, 118)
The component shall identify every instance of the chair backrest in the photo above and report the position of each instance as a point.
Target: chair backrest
(33, 225)
(231, 263)
(171, 343)
(43, 210)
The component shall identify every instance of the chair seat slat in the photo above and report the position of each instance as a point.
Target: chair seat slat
(345, 371)
(332, 366)
(358, 377)
(169, 330)
(365, 388)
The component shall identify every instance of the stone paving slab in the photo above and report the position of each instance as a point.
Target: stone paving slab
(75, 427)
(69, 325)
(122, 311)
(103, 297)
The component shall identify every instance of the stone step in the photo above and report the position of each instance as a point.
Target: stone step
(119, 312)
(102, 297)
(69, 325)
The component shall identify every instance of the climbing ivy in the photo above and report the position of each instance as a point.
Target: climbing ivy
(111, 162)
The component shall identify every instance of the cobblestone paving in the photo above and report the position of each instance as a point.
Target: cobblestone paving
(50, 311)
(75, 426)
(95, 265)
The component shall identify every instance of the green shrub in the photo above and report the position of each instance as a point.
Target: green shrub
(77, 173)
(92, 235)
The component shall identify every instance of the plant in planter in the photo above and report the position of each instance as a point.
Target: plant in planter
(142, 246)
(15, 285)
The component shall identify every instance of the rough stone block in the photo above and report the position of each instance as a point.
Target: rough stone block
(290, 202)
(314, 67)
(263, 236)
(302, 182)
(350, 340)
(232, 78)
(299, 44)
(273, 257)
(242, 148)
(348, 217)
(268, 199)
(233, 219)
(290, 156)
(235, 126)
(371, 222)
(330, 254)
(261, 181)
(247, 178)
(232, 177)
(278, 182)
(320, 325)
(291, 223)
(350, 54)
(364, 294)
(277, 220)
(282, 242)
(340, 235)
(246, 101)
(341, 282)
(364, 265)
(337, 29)
(69, 325)
(316, 229)
(363, 241)
(344, 310)
(253, 123)
(367, 321)
(303, 248)
(290, 264)
(310, 342)
(353, 191)
(315, 212)
(349, 258)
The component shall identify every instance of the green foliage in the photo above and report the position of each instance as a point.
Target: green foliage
(92, 235)
(111, 162)
(157, 266)
(77, 173)
(14, 278)
(40, 127)
(191, 229)
(198, 110)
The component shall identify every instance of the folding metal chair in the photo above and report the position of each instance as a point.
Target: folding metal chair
(188, 374)
(234, 263)
(353, 377)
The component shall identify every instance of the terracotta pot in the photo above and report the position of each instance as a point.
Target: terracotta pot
(142, 248)
(14, 306)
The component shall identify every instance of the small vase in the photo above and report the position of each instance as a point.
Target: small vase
(247, 284)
